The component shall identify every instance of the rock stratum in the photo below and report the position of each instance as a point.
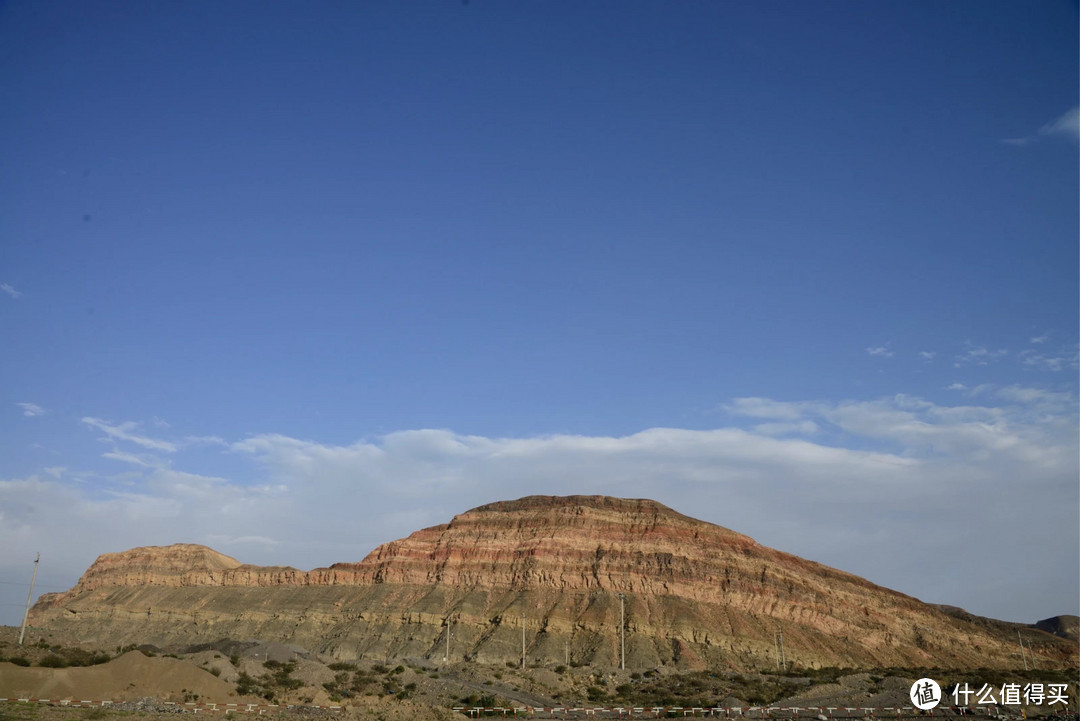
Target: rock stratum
(690, 594)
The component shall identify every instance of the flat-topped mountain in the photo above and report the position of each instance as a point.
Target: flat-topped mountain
(690, 593)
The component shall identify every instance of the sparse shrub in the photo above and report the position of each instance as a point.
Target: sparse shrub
(215, 671)
(560, 669)
(399, 669)
(342, 666)
(246, 685)
(19, 661)
(52, 661)
(379, 668)
(234, 660)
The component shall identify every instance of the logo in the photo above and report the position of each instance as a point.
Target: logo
(925, 694)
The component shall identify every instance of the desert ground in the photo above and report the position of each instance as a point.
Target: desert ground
(268, 678)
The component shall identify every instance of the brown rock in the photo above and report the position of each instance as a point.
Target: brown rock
(695, 594)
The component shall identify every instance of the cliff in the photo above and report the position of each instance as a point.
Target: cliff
(691, 593)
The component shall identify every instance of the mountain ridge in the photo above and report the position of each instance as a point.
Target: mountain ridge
(693, 594)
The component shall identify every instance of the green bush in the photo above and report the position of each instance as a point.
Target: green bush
(19, 661)
(52, 661)
(342, 666)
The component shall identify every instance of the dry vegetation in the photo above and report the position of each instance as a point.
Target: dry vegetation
(272, 673)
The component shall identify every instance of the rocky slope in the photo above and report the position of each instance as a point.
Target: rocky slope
(694, 594)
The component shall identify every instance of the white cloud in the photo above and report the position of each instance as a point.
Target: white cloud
(1035, 396)
(882, 351)
(1040, 339)
(205, 441)
(1052, 363)
(860, 485)
(31, 409)
(979, 356)
(55, 471)
(927, 355)
(10, 291)
(765, 408)
(800, 428)
(126, 458)
(956, 387)
(1068, 125)
(123, 432)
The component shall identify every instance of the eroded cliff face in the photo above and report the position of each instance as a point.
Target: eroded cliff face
(694, 594)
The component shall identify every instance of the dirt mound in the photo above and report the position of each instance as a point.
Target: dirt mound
(129, 677)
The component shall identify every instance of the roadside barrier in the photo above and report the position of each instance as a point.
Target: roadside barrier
(193, 707)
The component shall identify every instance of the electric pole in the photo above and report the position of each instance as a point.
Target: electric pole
(622, 632)
(783, 660)
(1022, 654)
(523, 640)
(446, 658)
(29, 596)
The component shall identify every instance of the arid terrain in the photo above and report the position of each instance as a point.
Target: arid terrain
(532, 593)
(268, 677)
(566, 571)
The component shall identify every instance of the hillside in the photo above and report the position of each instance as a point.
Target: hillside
(695, 594)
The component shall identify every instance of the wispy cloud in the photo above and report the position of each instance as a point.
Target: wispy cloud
(881, 350)
(956, 387)
(1068, 126)
(979, 356)
(10, 291)
(126, 458)
(927, 355)
(797, 428)
(55, 471)
(31, 409)
(205, 441)
(1046, 362)
(1039, 339)
(810, 477)
(123, 432)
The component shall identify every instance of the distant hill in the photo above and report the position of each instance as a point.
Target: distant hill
(691, 594)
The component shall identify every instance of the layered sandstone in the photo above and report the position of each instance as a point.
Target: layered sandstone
(691, 593)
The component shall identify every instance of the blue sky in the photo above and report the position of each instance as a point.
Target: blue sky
(293, 281)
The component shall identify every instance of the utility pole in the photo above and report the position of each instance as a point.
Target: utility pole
(776, 650)
(22, 631)
(783, 660)
(1022, 655)
(622, 632)
(446, 658)
(522, 640)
